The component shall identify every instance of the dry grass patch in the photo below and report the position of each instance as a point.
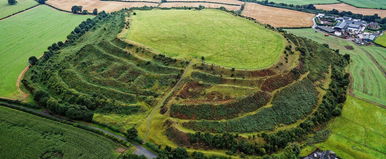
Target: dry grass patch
(215, 1)
(346, 7)
(206, 5)
(89, 5)
(277, 17)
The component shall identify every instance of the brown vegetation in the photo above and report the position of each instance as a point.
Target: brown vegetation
(215, 1)
(277, 17)
(346, 7)
(90, 5)
(206, 5)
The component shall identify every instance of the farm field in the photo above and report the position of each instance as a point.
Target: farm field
(367, 67)
(192, 34)
(304, 2)
(6, 9)
(233, 2)
(206, 5)
(346, 7)
(277, 17)
(23, 135)
(381, 40)
(359, 132)
(90, 5)
(366, 3)
(16, 47)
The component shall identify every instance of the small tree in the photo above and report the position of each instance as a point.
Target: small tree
(42, 1)
(33, 60)
(12, 2)
(95, 11)
(132, 133)
(84, 12)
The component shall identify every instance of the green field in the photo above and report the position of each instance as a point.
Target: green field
(221, 38)
(366, 3)
(304, 2)
(6, 9)
(29, 34)
(381, 40)
(367, 74)
(23, 135)
(359, 132)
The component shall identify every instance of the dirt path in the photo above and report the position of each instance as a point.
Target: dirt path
(166, 97)
(22, 95)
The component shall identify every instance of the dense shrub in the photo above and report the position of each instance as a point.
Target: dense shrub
(289, 105)
(222, 111)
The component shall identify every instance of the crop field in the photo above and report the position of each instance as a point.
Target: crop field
(346, 7)
(220, 38)
(277, 17)
(215, 1)
(367, 67)
(90, 5)
(16, 48)
(304, 2)
(27, 136)
(381, 40)
(104, 73)
(366, 3)
(359, 132)
(206, 5)
(6, 9)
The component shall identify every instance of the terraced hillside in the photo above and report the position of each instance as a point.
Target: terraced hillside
(99, 75)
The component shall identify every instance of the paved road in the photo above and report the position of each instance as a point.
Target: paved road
(140, 150)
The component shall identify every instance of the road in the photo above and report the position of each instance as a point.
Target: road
(140, 150)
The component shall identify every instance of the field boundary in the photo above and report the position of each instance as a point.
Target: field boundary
(230, 4)
(358, 6)
(8, 16)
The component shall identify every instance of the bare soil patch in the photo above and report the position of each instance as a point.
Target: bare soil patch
(348, 47)
(346, 7)
(277, 17)
(90, 5)
(206, 5)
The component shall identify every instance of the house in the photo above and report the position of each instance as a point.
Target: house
(326, 29)
(318, 154)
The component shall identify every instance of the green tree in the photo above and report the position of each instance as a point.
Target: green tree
(32, 60)
(131, 133)
(12, 2)
(95, 11)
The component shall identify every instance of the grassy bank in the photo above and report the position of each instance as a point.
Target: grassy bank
(366, 67)
(359, 132)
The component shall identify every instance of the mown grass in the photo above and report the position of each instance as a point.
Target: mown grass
(27, 136)
(366, 3)
(219, 37)
(304, 2)
(369, 79)
(359, 132)
(29, 34)
(381, 40)
(6, 9)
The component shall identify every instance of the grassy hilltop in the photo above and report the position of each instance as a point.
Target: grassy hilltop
(220, 37)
